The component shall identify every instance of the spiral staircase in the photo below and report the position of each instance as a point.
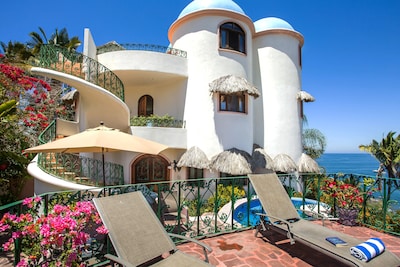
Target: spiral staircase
(101, 93)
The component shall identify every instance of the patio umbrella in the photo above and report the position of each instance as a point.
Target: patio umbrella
(100, 140)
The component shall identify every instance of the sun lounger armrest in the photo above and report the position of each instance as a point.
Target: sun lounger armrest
(319, 216)
(205, 247)
(121, 261)
(277, 218)
(288, 225)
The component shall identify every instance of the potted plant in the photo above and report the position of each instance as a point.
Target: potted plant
(348, 199)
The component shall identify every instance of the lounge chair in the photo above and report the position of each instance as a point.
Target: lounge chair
(284, 218)
(138, 236)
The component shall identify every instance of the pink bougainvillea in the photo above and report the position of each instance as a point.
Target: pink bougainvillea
(57, 239)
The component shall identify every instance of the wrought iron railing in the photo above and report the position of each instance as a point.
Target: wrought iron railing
(82, 170)
(143, 47)
(205, 207)
(74, 63)
(75, 168)
(49, 133)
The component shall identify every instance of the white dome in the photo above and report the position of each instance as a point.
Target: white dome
(272, 23)
(198, 5)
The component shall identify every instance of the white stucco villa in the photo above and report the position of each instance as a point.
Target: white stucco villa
(260, 105)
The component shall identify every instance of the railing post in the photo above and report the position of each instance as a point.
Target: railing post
(17, 251)
(198, 207)
(233, 200)
(318, 192)
(248, 200)
(385, 201)
(216, 202)
(179, 207)
(364, 207)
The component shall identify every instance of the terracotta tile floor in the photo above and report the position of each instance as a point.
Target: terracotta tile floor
(242, 249)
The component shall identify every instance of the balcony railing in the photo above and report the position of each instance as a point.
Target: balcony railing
(81, 170)
(142, 47)
(60, 59)
(210, 206)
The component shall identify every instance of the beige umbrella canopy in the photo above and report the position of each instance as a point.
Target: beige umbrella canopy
(306, 164)
(232, 161)
(230, 84)
(284, 163)
(99, 140)
(260, 159)
(195, 158)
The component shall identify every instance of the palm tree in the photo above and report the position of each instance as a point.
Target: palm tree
(387, 152)
(16, 52)
(38, 39)
(59, 38)
(314, 143)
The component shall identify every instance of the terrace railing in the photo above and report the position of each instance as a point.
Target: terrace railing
(143, 47)
(204, 207)
(74, 63)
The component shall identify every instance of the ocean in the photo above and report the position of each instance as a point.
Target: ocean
(355, 163)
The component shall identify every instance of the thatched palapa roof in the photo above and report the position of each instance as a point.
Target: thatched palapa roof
(306, 164)
(304, 96)
(194, 158)
(261, 160)
(233, 161)
(284, 163)
(230, 84)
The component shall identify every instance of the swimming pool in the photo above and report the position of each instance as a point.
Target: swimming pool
(240, 212)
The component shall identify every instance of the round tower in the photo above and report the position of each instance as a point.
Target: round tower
(278, 75)
(217, 36)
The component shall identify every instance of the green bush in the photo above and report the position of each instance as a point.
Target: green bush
(216, 201)
(153, 120)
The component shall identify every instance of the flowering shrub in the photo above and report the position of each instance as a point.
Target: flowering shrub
(19, 84)
(347, 196)
(57, 239)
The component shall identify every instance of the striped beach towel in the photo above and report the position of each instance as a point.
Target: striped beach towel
(368, 249)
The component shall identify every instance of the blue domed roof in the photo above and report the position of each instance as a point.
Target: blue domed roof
(197, 5)
(272, 23)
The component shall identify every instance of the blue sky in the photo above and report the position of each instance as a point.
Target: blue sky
(351, 54)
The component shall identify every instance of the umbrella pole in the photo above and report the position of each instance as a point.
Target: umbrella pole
(104, 170)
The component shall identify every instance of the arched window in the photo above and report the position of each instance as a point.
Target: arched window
(232, 37)
(145, 106)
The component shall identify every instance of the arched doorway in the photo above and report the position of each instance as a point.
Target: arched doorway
(149, 168)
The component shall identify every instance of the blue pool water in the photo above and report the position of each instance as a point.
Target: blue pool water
(240, 212)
